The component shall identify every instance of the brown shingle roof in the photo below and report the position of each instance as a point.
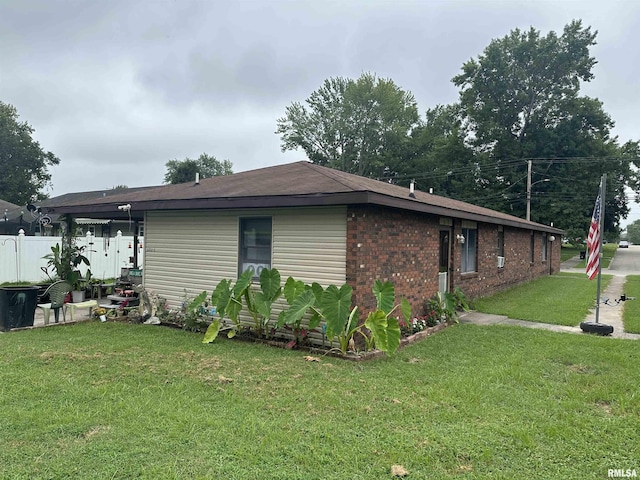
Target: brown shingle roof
(4, 205)
(293, 184)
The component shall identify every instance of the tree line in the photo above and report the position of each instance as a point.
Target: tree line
(520, 118)
(519, 105)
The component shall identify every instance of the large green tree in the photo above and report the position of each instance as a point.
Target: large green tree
(439, 159)
(358, 126)
(181, 171)
(23, 163)
(520, 103)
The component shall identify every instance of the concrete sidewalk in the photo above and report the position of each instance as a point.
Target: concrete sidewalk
(610, 308)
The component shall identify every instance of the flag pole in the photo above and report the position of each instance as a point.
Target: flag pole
(603, 182)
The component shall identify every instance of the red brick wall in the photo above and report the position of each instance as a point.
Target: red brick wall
(403, 247)
(518, 267)
(393, 245)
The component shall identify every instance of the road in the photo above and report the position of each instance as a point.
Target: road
(626, 261)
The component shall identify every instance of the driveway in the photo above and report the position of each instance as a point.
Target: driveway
(625, 262)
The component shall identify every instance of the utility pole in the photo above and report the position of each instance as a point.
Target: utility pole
(528, 190)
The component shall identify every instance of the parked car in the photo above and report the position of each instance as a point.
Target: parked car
(623, 244)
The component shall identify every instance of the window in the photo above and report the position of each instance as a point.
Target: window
(544, 247)
(532, 248)
(255, 245)
(469, 248)
(500, 242)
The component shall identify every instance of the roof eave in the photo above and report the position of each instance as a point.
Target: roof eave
(110, 210)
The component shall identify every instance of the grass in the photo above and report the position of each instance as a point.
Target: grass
(608, 252)
(562, 299)
(130, 401)
(570, 251)
(631, 314)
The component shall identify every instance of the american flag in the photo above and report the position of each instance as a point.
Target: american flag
(593, 240)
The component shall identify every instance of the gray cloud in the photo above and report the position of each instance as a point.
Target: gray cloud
(117, 88)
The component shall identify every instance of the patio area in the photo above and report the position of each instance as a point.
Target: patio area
(80, 315)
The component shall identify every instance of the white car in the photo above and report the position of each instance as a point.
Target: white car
(623, 244)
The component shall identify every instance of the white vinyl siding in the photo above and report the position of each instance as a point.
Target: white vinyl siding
(311, 245)
(195, 250)
(189, 250)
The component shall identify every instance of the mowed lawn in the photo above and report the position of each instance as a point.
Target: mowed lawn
(632, 306)
(117, 401)
(562, 299)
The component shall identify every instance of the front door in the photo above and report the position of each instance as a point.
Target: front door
(443, 267)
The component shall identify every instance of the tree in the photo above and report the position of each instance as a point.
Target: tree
(23, 163)
(181, 171)
(439, 159)
(633, 232)
(357, 126)
(520, 102)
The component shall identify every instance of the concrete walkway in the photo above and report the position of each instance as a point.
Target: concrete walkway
(610, 308)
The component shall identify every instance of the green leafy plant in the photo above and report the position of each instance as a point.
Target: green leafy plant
(333, 305)
(343, 322)
(228, 301)
(341, 319)
(66, 258)
(384, 328)
(194, 318)
(446, 306)
(64, 263)
(301, 299)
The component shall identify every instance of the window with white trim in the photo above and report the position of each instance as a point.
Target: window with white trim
(469, 247)
(255, 245)
(544, 247)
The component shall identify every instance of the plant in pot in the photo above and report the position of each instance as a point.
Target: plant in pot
(65, 260)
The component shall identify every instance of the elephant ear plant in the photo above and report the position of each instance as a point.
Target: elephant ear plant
(228, 301)
(343, 323)
(332, 305)
(385, 330)
(301, 299)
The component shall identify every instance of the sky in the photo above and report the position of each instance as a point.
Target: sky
(116, 88)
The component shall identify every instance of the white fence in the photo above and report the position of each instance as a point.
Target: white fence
(21, 256)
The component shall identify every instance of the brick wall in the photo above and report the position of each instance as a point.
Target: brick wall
(518, 267)
(394, 245)
(403, 247)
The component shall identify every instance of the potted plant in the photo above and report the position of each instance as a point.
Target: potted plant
(65, 261)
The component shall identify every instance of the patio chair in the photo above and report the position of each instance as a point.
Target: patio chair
(57, 292)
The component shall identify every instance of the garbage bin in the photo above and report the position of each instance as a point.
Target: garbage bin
(583, 255)
(17, 306)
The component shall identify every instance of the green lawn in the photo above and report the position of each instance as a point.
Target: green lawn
(569, 251)
(631, 315)
(124, 401)
(608, 252)
(562, 299)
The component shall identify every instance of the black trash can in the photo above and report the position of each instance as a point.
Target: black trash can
(583, 255)
(17, 306)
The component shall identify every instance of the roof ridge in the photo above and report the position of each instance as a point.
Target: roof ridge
(334, 175)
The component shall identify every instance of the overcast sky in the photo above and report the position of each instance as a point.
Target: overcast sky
(116, 88)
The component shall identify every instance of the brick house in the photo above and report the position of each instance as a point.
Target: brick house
(320, 224)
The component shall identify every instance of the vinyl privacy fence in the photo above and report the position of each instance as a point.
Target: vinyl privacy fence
(21, 256)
